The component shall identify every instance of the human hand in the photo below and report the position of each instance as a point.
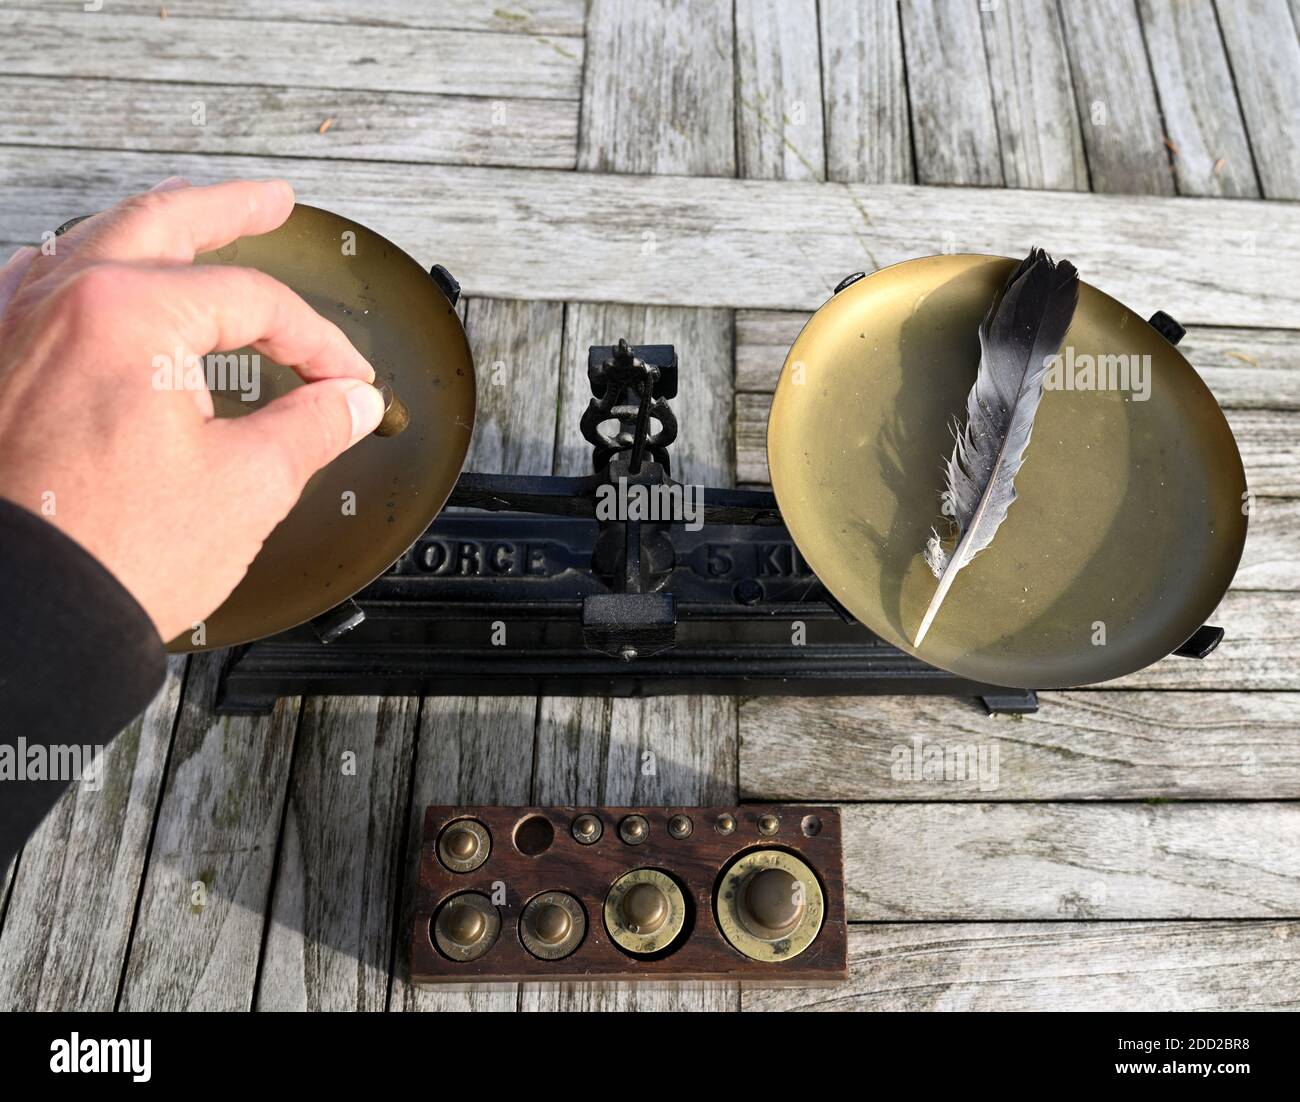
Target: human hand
(174, 502)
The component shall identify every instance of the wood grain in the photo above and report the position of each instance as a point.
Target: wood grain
(516, 350)
(65, 938)
(198, 933)
(1123, 133)
(286, 122)
(658, 93)
(538, 17)
(329, 940)
(1092, 966)
(868, 135)
(767, 244)
(367, 57)
(779, 133)
(1081, 745)
(1272, 546)
(1261, 649)
(1260, 36)
(1198, 102)
(1029, 75)
(953, 124)
(1006, 861)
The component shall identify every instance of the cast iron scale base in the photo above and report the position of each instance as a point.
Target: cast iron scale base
(549, 599)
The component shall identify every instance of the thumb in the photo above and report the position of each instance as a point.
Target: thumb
(306, 428)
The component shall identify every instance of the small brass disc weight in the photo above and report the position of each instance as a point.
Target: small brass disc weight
(770, 905)
(464, 845)
(553, 925)
(466, 926)
(644, 911)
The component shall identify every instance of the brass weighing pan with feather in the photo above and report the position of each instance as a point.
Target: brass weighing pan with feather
(359, 514)
(1130, 510)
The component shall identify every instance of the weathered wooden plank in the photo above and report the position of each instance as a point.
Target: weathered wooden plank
(516, 349)
(1261, 649)
(779, 134)
(527, 233)
(472, 750)
(287, 122)
(1084, 745)
(658, 93)
(763, 340)
(207, 51)
(1038, 122)
(1272, 546)
(953, 124)
(1094, 966)
(1017, 862)
(1197, 99)
(1122, 130)
(329, 940)
(868, 133)
(198, 934)
(663, 750)
(540, 17)
(69, 921)
(1266, 439)
(1245, 368)
(1260, 36)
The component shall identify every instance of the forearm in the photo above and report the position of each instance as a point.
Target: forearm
(79, 659)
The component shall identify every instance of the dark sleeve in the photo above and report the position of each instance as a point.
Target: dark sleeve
(79, 659)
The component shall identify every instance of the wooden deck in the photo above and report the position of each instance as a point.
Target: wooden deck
(703, 173)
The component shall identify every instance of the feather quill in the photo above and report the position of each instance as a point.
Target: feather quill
(1019, 335)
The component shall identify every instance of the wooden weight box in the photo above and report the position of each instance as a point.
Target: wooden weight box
(752, 893)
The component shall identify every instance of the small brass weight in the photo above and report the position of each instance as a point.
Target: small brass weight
(753, 893)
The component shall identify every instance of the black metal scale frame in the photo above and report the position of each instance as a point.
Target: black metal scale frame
(553, 595)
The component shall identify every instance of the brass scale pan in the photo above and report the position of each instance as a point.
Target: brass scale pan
(1127, 528)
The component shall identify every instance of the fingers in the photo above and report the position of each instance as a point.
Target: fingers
(298, 433)
(175, 221)
(218, 308)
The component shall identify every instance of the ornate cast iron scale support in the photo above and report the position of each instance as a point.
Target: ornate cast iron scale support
(551, 597)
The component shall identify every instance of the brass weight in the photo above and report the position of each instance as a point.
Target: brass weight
(552, 925)
(770, 905)
(466, 926)
(644, 911)
(464, 845)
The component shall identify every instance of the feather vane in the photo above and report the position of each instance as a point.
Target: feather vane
(1019, 335)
